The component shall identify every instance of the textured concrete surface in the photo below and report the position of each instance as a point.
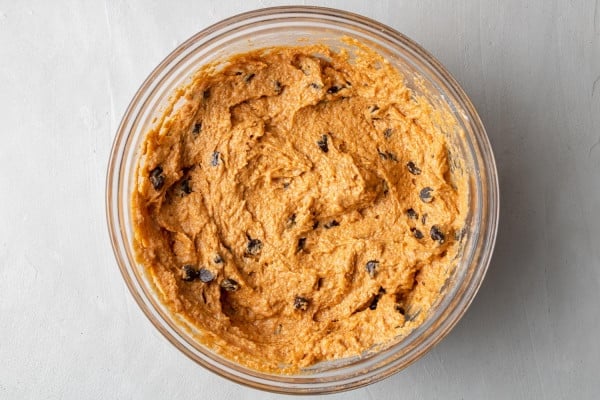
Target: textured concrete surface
(69, 328)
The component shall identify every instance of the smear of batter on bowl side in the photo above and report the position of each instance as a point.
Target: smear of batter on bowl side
(297, 206)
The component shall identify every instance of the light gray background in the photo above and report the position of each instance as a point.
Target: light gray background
(70, 329)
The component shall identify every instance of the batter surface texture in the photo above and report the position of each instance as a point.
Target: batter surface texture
(296, 205)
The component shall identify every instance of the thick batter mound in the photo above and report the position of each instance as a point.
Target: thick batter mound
(296, 206)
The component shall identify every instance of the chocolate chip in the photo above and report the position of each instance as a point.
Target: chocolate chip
(412, 214)
(185, 186)
(315, 225)
(197, 128)
(206, 94)
(373, 305)
(205, 275)
(416, 233)
(230, 285)
(320, 283)
(218, 259)
(425, 194)
(436, 234)
(254, 246)
(301, 244)
(157, 179)
(400, 309)
(278, 87)
(214, 161)
(331, 224)
(301, 303)
(333, 90)
(371, 267)
(291, 221)
(322, 143)
(387, 155)
(412, 168)
(249, 77)
(424, 219)
(388, 133)
(189, 273)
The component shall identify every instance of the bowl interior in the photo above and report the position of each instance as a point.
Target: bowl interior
(469, 155)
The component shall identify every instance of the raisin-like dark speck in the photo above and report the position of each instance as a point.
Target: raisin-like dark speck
(412, 214)
(278, 87)
(185, 186)
(416, 233)
(301, 244)
(206, 94)
(214, 161)
(400, 309)
(387, 155)
(412, 168)
(425, 194)
(230, 285)
(371, 267)
(205, 275)
(197, 128)
(333, 90)
(315, 225)
(218, 259)
(374, 108)
(249, 77)
(322, 143)
(388, 133)
(436, 234)
(254, 246)
(315, 86)
(331, 224)
(373, 305)
(157, 179)
(291, 221)
(301, 303)
(189, 273)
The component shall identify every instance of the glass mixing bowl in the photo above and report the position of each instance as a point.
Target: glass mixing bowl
(423, 73)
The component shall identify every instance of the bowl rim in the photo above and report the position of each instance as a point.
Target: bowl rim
(481, 142)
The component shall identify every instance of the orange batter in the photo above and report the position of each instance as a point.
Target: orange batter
(297, 206)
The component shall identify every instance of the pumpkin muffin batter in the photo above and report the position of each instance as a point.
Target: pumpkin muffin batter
(295, 205)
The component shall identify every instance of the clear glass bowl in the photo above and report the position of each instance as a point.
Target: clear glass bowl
(424, 74)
